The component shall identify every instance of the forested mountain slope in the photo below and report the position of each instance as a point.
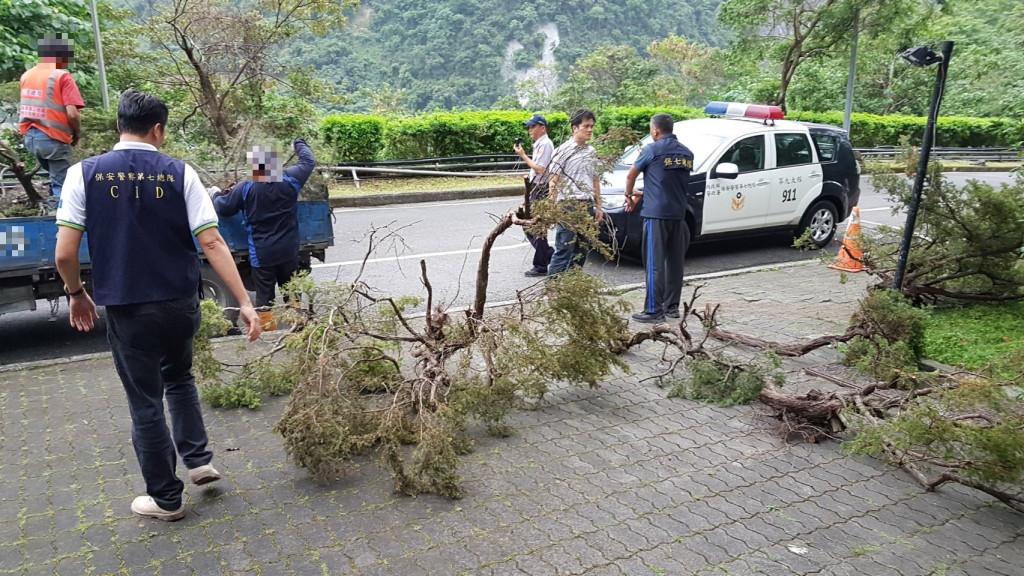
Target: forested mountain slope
(461, 53)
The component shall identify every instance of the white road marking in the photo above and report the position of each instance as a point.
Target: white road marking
(416, 256)
(507, 200)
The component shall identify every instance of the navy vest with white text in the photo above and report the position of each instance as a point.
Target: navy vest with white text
(140, 241)
(665, 179)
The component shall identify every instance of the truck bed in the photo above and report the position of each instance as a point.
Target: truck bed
(27, 245)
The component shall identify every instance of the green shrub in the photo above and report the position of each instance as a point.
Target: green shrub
(639, 118)
(870, 130)
(442, 134)
(353, 137)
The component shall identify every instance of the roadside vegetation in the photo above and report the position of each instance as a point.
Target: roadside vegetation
(983, 338)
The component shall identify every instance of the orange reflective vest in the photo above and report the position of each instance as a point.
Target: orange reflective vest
(42, 104)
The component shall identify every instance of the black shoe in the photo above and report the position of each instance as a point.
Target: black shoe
(646, 318)
(537, 271)
(672, 313)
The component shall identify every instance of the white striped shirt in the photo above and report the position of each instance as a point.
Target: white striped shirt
(576, 167)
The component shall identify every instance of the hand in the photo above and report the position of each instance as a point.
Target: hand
(518, 149)
(83, 312)
(213, 191)
(74, 140)
(631, 200)
(252, 321)
(599, 214)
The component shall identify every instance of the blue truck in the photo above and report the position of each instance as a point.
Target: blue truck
(28, 273)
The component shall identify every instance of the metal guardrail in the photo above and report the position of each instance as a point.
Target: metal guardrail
(987, 154)
(504, 164)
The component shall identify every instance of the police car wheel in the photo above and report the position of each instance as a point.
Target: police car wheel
(822, 219)
(215, 289)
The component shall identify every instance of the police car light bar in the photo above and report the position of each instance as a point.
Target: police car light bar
(740, 110)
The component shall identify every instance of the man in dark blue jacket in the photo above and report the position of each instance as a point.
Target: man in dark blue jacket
(666, 165)
(268, 206)
(146, 213)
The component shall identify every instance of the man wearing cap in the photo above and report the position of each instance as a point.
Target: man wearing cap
(49, 109)
(537, 186)
(268, 204)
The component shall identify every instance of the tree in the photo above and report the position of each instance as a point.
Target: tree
(793, 32)
(692, 71)
(223, 53)
(610, 76)
(23, 22)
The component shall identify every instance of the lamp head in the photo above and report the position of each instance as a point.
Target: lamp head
(921, 56)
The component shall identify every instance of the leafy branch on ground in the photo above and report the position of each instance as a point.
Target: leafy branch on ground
(373, 377)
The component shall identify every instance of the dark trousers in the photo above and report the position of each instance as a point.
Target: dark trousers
(152, 348)
(663, 254)
(266, 278)
(542, 251)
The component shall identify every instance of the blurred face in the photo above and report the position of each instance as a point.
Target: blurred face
(536, 132)
(583, 132)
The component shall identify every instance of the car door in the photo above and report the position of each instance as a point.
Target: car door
(739, 204)
(795, 179)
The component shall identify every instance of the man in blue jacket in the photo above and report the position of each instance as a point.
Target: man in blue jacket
(268, 206)
(666, 165)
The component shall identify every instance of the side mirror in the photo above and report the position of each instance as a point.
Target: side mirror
(726, 170)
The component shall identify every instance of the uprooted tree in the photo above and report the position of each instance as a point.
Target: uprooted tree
(371, 377)
(967, 241)
(32, 202)
(942, 428)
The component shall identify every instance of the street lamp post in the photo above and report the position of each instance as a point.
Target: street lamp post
(922, 56)
(99, 56)
(848, 110)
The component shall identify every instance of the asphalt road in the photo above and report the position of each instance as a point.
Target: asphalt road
(448, 235)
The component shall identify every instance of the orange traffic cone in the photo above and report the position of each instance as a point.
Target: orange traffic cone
(267, 320)
(850, 255)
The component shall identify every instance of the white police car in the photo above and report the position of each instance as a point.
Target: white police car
(753, 172)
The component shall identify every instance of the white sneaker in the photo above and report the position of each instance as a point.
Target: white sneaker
(146, 507)
(204, 475)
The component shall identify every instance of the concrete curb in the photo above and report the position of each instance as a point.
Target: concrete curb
(426, 196)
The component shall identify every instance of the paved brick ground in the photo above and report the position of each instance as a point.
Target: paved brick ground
(612, 481)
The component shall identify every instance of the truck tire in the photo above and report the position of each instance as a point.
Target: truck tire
(215, 289)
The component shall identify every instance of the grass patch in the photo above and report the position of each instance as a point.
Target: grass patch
(346, 188)
(987, 337)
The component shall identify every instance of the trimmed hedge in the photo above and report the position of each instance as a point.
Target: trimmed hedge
(443, 134)
(870, 130)
(638, 118)
(356, 137)
(353, 137)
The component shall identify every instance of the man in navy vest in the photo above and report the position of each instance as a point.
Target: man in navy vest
(666, 165)
(268, 204)
(142, 210)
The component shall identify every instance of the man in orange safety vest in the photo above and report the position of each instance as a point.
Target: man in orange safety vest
(49, 109)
